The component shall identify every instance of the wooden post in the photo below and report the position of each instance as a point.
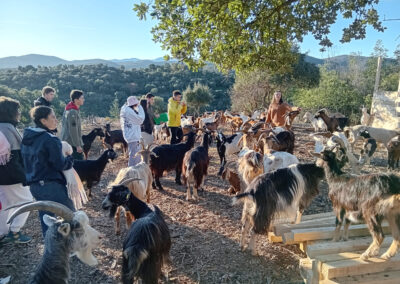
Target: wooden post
(378, 74)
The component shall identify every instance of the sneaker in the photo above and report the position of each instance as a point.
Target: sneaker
(16, 238)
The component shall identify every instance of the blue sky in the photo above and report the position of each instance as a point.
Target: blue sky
(83, 29)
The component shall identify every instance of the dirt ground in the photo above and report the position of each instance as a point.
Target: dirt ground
(205, 235)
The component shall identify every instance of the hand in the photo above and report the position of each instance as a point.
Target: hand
(183, 103)
(79, 149)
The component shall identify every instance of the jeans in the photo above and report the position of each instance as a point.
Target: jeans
(133, 148)
(176, 135)
(52, 191)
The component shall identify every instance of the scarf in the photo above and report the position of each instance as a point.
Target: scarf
(71, 105)
(12, 134)
(5, 150)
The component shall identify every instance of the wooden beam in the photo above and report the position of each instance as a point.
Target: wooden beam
(357, 266)
(280, 229)
(303, 218)
(324, 233)
(391, 277)
(329, 247)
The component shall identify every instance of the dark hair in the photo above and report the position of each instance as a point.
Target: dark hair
(176, 93)
(39, 112)
(143, 103)
(9, 110)
(149, 96)
(47, 89)
(75, 95)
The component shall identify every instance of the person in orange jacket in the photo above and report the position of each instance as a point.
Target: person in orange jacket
(176, 107)
(277, 110)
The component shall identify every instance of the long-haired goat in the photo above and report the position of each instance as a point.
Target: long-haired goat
(394, 152)
(90, 171)
(283, 141)
(372, 197)
(72, 234)
(250, 166)
(280, 193)
(236, 185)
(138, 179)
(170, 157)
(147, 244)
(195, 166)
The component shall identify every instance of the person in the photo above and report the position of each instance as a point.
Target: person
(176, 108)
(277, 110)
(71, 124)
(131, 117)
(44, 161)
(46, 98)
(12, 173)
(148, 123)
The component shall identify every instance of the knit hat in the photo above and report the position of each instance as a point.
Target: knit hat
(132, 100)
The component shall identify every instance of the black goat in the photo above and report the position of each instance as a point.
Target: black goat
(195, 166)
(169, 157)
(147, 244)
(372, 197)
(89, 138)
(114, 137)
(91, 170)
(333, 123)
(282, 192)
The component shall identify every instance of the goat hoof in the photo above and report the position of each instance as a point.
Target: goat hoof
(178, 182)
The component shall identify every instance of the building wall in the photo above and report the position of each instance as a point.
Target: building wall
(386, 107)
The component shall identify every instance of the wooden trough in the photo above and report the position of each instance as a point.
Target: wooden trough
(329, 262)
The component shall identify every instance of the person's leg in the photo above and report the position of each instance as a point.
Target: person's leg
(179, 135)
(173, 131)
(76, 155)
(12, 195)
(133, 148)
(53, 192)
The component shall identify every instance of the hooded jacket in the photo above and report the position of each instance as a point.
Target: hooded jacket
(71, 126)
(175, 110)
(130, 123)
(42, 156)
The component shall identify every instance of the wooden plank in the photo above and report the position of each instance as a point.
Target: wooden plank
(280, 229)
(273, 238)
(305, 265)
(357, 266)
(303, 218)
(329, 247)
(387, 277)
(324, 233)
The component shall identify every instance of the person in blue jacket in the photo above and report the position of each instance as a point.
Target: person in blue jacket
(44, 161)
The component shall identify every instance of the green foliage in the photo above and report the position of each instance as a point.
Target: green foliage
(159, 105)
(251, 34)
(197, 97)
(115, 108)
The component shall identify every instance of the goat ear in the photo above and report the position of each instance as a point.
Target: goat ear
(64, 229)
(49, 220)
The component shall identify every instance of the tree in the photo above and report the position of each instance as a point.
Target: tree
(198, 97)
(250, 34)
(159, 105)
(114, 109)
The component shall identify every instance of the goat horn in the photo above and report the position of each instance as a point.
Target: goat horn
(129, 180)
(50, 206)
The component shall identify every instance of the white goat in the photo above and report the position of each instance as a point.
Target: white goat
(365, 117)
(317, 123)
(278, 160)
(381, 135)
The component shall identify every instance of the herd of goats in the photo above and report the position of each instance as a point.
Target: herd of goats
(268, 178)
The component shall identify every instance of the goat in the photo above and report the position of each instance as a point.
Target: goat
(138, 180)
(332, 123)
(195, 166)
(283, 141)
(89, 138)
(394, 152)
(227, 146)
(381, 135)
(90, 170)
(146, 246)
(114, 137)
(70, 235)
(282, 192)
(317, 123)
(250, 165)
(277, 160)
(161, 132)
(368, 148)
(233, 179)
(289, 117)
(372, 197)
(168, 157)
(365, 117)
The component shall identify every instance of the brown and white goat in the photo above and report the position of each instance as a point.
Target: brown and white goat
(289, 117)
(394, 152)
(233, 179)
(371, 198)
(333, 123)
(283, 141)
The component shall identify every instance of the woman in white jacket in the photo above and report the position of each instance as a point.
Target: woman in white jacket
(132, 116)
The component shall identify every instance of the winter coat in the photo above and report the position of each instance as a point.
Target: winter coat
(41, 102)
(43, 158)
(175, 110)
(148, 123)
(131, 121)
(71, 126)
(13, 171)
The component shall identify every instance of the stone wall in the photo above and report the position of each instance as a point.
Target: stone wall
(386, 107)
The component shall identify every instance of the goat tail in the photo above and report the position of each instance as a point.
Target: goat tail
(242, 197)
(135, 257)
